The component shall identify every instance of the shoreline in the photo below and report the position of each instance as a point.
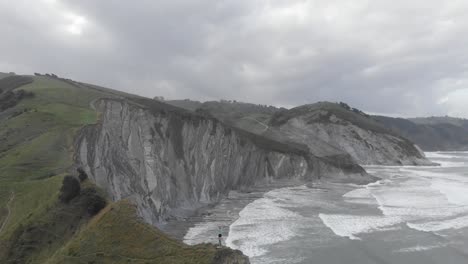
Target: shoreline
(219, 216)
(224, 212)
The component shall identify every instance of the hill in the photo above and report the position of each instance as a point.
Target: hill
(432, 133)
(185, 104)
(4, 74)
(350, 130)
(37, 150)
(437, 120)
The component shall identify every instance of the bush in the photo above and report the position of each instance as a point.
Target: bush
(70, 189)
(82, 174)
(94, 202)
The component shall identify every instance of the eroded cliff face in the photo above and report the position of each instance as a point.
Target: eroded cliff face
(170, 162)
(366, 147)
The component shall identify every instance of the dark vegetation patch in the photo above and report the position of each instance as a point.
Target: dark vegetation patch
(8, 97)
(12, 82)
(82, 175)
(70, 189)
(36, 241)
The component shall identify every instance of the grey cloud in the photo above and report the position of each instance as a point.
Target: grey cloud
(381, 56)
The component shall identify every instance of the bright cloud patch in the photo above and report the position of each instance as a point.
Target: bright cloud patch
(76, 24)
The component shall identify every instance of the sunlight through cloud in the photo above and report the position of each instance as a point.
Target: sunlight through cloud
(76, 24)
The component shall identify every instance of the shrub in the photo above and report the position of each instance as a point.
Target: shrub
(82, 174)
(96, 204)
(70, 189)
(93, 200)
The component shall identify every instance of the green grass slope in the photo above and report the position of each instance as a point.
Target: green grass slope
(4, 74)
(106, 239)
(46, 230)
(36, 139)
(36, 147)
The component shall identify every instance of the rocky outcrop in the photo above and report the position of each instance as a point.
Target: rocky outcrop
(169, 161)
(229, 256)
(329, 128)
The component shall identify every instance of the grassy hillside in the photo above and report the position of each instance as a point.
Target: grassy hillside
(106, 239)
(4, 74)
(36, 145)
(36, 152)
(321, 112)
(441, 120)
(250, 117)
(185, 104)
(36, 137)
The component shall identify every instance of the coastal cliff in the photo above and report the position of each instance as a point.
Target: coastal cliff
(329, 130)
(348, 130)
(169, 161)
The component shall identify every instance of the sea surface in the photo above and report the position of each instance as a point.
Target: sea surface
(412, 215)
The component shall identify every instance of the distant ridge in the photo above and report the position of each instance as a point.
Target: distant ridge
(431, 133)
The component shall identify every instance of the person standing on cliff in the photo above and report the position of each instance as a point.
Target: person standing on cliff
(220, 238)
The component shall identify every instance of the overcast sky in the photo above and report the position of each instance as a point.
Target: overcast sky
(397, 57)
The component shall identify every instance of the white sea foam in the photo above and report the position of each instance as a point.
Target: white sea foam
(361, 193)
(198, 233)
(448, 159)
(419, 248)
(351, 226)
(435, 155)
(261, 223)
(425, 198)
(414, 200)
(273, 260)
(435, 226)
(360, 196)
(430, 199)
(455, 191)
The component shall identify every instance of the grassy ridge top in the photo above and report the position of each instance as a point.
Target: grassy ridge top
(38, 134)
(321, 112)
(36, 139)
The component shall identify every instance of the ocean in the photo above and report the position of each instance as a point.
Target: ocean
(412, 215)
